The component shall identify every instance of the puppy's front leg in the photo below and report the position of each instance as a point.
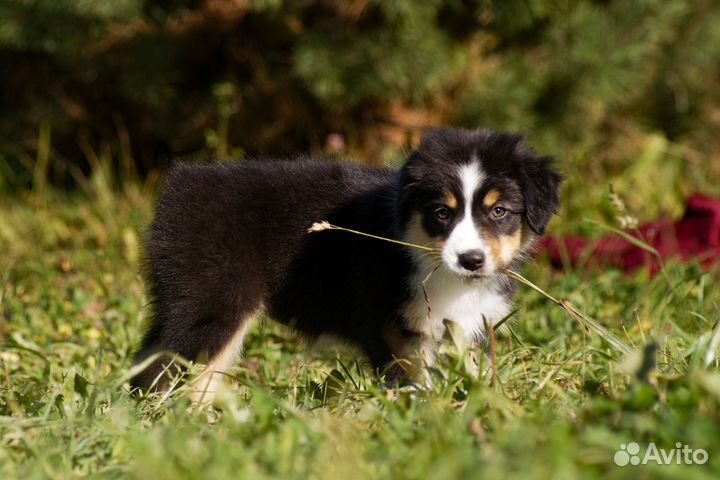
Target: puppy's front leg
(412, 353)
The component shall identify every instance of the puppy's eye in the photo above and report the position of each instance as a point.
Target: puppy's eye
(498, 213)
(442, 213)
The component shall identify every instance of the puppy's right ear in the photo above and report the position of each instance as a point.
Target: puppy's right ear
(540, 183)
(409, 171)
(408, 185)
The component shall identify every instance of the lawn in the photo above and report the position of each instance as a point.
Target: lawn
(560, 405)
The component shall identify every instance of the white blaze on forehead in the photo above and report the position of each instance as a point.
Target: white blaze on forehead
(465, 235)
(471, 177)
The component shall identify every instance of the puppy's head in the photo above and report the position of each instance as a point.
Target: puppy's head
(480, 198)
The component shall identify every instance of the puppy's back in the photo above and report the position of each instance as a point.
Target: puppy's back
(227, 215)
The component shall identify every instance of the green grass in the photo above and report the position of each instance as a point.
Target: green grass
(72, 309)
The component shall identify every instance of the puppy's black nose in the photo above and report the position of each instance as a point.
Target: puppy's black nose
(472, 260)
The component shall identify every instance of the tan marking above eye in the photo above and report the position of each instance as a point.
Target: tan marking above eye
(450, 200)
(491, 197)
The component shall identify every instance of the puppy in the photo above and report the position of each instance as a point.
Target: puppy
(229, 241)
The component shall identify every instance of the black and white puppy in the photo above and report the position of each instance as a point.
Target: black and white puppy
(229, 241)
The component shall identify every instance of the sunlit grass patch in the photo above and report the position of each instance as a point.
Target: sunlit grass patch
(72, 306)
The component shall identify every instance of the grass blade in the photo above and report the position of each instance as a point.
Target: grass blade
(588, 322)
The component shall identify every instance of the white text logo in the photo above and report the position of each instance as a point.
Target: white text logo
(629, 454)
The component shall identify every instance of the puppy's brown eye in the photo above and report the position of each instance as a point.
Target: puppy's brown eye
(442, 213)
(498, 213)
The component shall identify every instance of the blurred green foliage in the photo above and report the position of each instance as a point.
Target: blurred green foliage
(567, 72)
(622, 92)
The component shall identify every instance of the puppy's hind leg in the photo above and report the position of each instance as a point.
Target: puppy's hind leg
(156, 363)
(206, 385)
(215, 334)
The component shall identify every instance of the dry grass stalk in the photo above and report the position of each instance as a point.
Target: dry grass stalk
(586, 321)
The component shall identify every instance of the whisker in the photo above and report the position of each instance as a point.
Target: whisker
(431, 255)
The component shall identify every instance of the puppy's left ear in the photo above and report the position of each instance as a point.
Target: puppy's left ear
(540, 184)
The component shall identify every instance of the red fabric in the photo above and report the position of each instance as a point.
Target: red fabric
(695, 235)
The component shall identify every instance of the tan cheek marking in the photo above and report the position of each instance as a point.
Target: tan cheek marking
(494, 249)
(491, 197)
(511, 246)
(450, 200)
(416, 234)
(504, 248)
(528, 236)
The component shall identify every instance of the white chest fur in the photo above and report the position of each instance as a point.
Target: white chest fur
(465, 302)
